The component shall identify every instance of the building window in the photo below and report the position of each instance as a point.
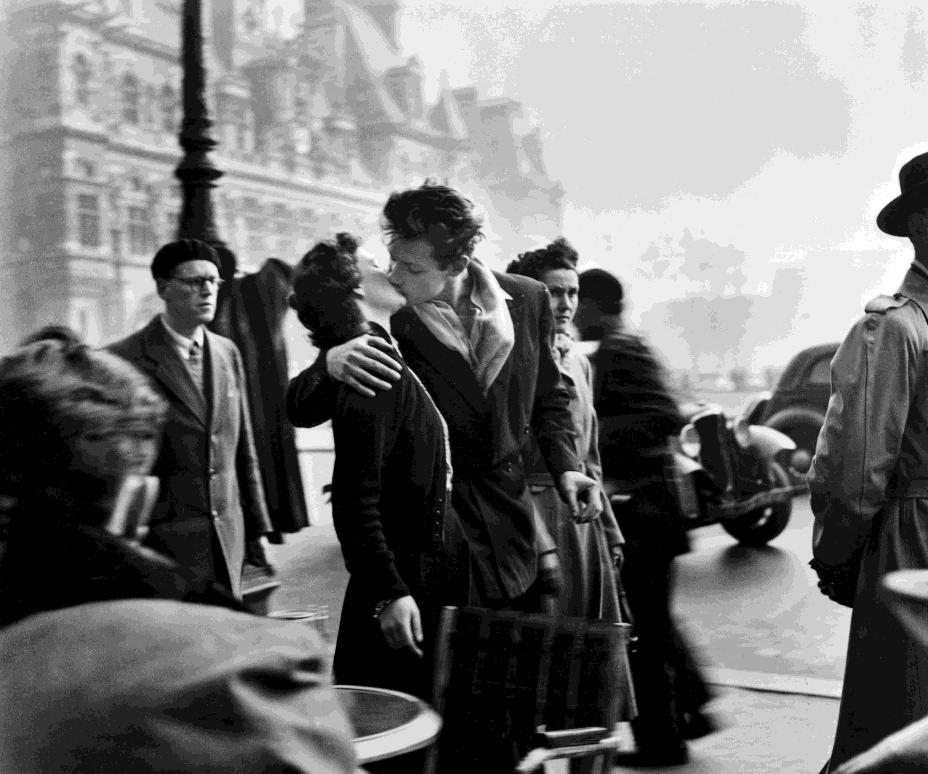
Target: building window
(87, 169)
(82, 78)
(88, 220)
(130, 98)
(139, 227)
(168, 109)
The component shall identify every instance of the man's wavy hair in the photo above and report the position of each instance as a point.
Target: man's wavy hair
(440, 214)
(559, 254)
(54, 390)
(324, 285)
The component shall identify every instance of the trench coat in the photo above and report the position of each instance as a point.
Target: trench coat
(252, 313)
(159, 686)
(869, 494)
(210, 485)
(487, 432)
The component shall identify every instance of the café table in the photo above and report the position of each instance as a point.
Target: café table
(387, 723)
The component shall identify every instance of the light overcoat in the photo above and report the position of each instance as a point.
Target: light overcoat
(207, 464)
(869, 495)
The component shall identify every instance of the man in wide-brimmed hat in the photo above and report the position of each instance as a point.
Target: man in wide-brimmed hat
(869, 486)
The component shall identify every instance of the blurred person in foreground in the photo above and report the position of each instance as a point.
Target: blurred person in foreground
(79, 431)
(160, 685)
(589, 553)
(390, 483)
(869, 486)
(637, 415)
(481, 342)
(211, 509)
(104, 664)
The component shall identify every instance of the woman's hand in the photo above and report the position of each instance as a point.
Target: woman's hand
(401, 624)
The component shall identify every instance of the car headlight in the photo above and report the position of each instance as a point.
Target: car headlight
(742, 431)
(689, 441)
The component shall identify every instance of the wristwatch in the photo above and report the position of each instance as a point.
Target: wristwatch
(381, 606)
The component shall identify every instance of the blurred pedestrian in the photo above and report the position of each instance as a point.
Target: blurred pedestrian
(211, 507)
(77, 428)
(589, 552)
(869, 486)
(390, 483)
(637, 415)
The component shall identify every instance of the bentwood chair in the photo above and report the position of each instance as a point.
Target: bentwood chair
(517, 690)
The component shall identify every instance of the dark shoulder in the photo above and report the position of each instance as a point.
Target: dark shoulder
(350, 404)
(129, 347)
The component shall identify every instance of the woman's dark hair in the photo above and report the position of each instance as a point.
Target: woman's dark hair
(53, 332)
(559, 254)
(442, 215)
(52, 391)
(324, 285)
(603, 290)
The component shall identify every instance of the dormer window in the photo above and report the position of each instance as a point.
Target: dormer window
(130, 98)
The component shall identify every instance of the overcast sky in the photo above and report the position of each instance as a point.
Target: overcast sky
(775, 127)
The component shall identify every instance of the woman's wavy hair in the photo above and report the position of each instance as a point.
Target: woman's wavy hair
(559, 254)
(442, 215)
(324, 285)
(53, 390)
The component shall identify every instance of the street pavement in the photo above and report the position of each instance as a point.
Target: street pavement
(772, 645)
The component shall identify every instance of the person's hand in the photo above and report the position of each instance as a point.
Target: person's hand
(365, 363)
(905, 750)
(401, 624)
(618, 557)
(550, 576)
(582, 495)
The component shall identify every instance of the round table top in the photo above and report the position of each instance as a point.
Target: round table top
(387, 723)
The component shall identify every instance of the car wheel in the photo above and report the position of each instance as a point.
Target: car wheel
(757, 528)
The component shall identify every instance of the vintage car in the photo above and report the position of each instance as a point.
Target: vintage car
(796, 406)
(727, 471)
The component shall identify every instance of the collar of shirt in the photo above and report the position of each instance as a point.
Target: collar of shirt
(182, 343)
(915, 284)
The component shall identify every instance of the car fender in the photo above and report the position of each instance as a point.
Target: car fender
(756, 407)
(767, 442)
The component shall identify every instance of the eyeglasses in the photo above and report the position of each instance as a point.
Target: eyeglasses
(198, 283)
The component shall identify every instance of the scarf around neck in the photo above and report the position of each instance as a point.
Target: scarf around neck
(492, 334)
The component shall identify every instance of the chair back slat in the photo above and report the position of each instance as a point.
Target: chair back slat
(501, 674)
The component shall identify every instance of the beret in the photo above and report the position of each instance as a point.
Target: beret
(175, 253)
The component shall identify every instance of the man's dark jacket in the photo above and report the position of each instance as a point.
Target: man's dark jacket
(210, 486)
(487, 433)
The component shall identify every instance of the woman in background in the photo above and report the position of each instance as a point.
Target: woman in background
(588, 552)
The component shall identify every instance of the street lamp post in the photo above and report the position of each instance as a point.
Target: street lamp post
(196, 171)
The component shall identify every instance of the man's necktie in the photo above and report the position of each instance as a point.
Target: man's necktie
(195, 363)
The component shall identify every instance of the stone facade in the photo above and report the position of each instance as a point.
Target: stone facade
(313, 132)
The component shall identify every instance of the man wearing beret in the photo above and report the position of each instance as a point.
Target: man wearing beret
(869, 486)
(211, 509)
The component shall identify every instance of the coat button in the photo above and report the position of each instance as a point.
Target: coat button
(214, 513)
(526, 430)
(212, 472)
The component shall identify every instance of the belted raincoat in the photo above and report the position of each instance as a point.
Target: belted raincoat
(869, 495)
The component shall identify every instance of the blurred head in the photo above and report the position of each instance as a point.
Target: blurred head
(74, 422)
(601, 298)
(431, 232)
(556, 266)
(333, 284)
(188, 280)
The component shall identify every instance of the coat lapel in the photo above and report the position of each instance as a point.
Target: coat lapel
(218, 382)
(515, 311)
(441, 363)
(171, 372)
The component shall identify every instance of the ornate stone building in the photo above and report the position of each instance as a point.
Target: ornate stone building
(313, 130)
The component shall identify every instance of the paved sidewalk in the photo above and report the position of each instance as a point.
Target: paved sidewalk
(770, 724)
